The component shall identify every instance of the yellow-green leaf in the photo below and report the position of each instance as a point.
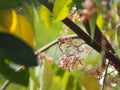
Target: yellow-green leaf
(24, 30)
(16, 24)
(92, 22)
(46, 78)
(28, 13)
(8, 20)
(45, 15)
(61, 9)
(89, 82)
(118, 34)
(2, 29)
(100, 21)
(5, 20)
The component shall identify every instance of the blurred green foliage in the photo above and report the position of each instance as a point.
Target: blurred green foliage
(46, 27)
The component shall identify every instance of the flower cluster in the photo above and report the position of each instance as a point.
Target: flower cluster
(68, 61)
(70, 55)
(89, 9)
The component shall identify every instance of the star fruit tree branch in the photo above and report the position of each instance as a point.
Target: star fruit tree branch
(93, 43)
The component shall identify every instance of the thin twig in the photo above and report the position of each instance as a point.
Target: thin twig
(7, 82)
(105, 76)
(53, 43)
(5, 85)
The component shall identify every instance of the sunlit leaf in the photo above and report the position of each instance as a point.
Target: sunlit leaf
(16, 77)
(100, 21)
(89, 82)
(18, 25)
(46, 78)
(16, 50)
(46, 15)
(24, 30)
(61, 9)
(111, 34)
(6, 4)
(64, 80)
(14, 21)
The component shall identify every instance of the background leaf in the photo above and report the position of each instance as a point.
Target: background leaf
(28, 13)
(89, 82)
(16, 77)
(42, 35)
(70, 85)
(100, 21)
(6, 19)
(118, 34)
(12, 4)
(24, 30)
(35, 76)
(61, 9)
(16, 24)
(46, 17)
(46, 78)
(79, 3)
(92, 22)
(16, 50)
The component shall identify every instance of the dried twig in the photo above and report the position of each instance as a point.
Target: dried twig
(105, 76)
(5, 85)
(53, 43)
(7, 82)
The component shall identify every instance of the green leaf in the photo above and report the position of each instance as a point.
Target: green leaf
(92, 22)
(118, 52)
(100, 21)
(45, 15)
(14, 86)
(16, 50)
(28, 13)
(78, 3)
(17, 24)
(43, 36)
(89, 82)
(61, 9)
(77, 86)
(118, 34)
(70, 85)
(16, 77)
(46, 78)
(94, 58)
(34, 77)
(5, 4)
(65, 80)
